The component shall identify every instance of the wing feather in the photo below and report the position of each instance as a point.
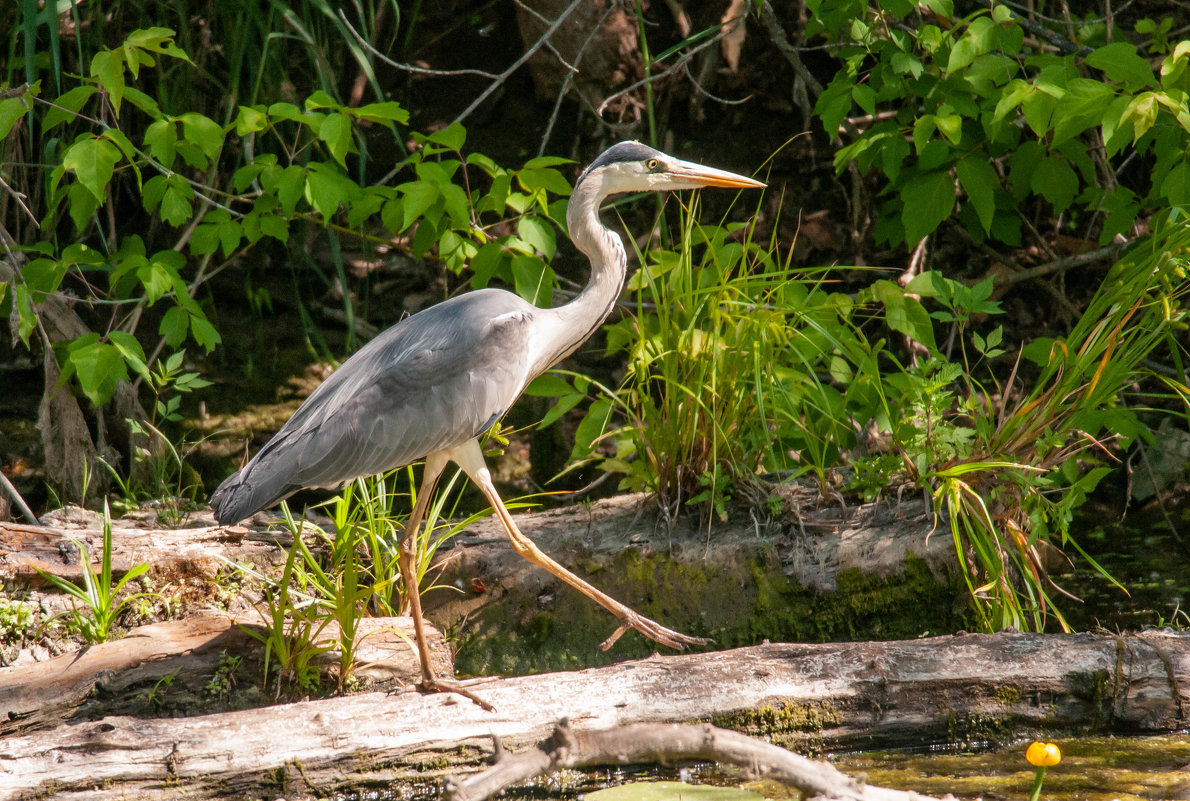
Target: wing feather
(429, 383)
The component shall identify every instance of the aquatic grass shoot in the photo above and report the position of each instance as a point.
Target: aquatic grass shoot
(99, 596)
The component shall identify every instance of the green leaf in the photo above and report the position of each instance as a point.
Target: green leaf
(286, 111)
(12, 109)
(26, 317)
(65, 108)
(980, 181)
(591, 427)
(1142, 112)
(162, 139)
(416, 197)
(133, 353)
(943, 8)
(43, 276)
(485, 263)
(157, 279)
(904, 313)
(1054, 179)
(203, 132)
(250, 119)
(928, 200)
(533, 279)
(327, 188)
(335, 130)
(452, 136)
(906, 63)
(1176, 186)
(1039, 107)
(203, 332)
(546, 161)
(157, 40)
(83, 205)
(108, 68)
(290, 185)
(174, 325)
(98, 366)
(864, 97)
(533, 178)
(274, 226)
(454, 201)
(320, 99)
(389, 111)
(975, 41)
(92, 161)
(548, 385)
(538, 233)
(1120, 62)
(142, 101)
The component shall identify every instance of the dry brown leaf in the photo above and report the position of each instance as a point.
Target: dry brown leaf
(734, 33)
(681, 18)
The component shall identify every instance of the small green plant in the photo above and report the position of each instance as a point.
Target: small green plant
(292, 629)
(223, 680)
(17, 620)
(164, 479)
(99, 598)
(357, 568)
(153, 698)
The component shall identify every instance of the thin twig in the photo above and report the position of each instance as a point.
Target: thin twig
(12, 493)
(19, 197)
(768, 18)
(517, 64)
(1061, 265)
(677, 65)
(550, 45)
(569, 82)
(409, 67)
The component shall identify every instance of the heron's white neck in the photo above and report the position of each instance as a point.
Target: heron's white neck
(566, 327)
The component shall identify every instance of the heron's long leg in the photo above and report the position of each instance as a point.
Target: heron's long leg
(469, 456)
(435, 463)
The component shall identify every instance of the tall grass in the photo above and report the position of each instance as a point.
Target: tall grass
(729, 369)
(1034, 460)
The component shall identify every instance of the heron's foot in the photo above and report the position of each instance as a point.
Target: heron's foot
(436, 685)
(651, 629)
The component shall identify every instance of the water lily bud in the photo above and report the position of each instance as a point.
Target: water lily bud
(1043, 755)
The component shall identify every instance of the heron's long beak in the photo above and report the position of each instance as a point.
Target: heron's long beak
(697, 175)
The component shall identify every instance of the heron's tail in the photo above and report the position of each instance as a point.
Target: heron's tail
(243, 494)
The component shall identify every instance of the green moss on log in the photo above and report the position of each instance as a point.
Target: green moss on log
(736, 604)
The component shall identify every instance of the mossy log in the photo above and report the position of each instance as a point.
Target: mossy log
(869, 573)
(804, 696)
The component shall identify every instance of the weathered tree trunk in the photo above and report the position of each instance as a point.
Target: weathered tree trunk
(836, 695)
(122, 675)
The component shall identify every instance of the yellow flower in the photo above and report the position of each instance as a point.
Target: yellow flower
(1043, 755)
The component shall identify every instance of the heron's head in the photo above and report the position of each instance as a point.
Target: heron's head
(633, 167)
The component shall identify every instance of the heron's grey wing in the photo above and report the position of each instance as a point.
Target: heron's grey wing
(428, 383)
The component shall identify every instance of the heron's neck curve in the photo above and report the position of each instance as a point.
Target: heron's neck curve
(566, 327)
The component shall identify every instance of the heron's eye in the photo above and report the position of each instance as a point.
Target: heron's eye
(653, 165)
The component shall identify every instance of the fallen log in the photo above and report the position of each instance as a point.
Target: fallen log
(844, 695)
(124, 674)
(869, 573)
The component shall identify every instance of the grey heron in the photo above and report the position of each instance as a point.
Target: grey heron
(430, 386)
